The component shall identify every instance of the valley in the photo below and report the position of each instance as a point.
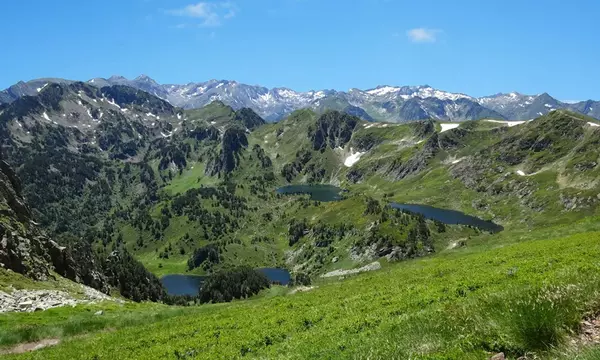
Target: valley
(471, 226)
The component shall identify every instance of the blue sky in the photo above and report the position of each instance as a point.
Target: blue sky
(476, 47)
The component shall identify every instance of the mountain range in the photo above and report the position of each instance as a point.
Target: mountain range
(112, 187)
(383, 103)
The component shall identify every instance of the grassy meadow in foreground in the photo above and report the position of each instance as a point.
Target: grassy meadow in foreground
(520, 298)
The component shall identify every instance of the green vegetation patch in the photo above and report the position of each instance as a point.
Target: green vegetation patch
(517, 299)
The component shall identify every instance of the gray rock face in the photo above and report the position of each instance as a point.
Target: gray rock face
(232, 142)
(23, 247)
(370, 267)
(40, 300)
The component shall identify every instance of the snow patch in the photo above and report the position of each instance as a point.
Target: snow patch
(383, 90)
(46, 116)
(178, 116)
(266, 97)
(593, 124)
(508, 123)
(319, 95)
(353, 158)
(112, 102)
(446, 127)
(521, 173)
(42, 88)
(428, 92)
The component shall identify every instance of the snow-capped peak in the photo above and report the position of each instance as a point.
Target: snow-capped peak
(383, 90)
(506, 99)
(428, 92)
(286, 93)
(409, 92)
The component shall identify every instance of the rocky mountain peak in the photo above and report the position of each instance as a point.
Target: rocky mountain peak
(382, 103)
(117, 78)
(145, 78)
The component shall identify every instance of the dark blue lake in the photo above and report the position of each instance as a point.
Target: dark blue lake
(177, 284)
(450, 217)
(182, 284)
(317, 192)
(279, 276)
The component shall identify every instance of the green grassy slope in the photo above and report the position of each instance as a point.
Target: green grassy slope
(520, 291)
(476, 168)
(459, 305)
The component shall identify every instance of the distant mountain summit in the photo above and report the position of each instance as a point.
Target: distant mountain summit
(382, 103)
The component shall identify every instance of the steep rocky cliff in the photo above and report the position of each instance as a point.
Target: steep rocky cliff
(28, 251)
(234, 140)
(333, 129)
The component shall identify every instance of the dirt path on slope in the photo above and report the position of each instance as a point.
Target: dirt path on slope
(32, 346)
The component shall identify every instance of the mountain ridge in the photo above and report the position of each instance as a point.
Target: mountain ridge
(381, 103)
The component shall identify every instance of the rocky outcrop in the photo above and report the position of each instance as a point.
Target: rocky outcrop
(248, 118)
(333, 129)
(39, 300)
(24, 248)
(139, 100)
(233, 142)
(358, 112)
(204, 133)
(423, 129)
(370, 267)
(399, 169)
(449, 140)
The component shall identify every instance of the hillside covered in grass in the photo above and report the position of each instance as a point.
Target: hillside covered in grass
(137, 189)
(519, 299)
(169, 186)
